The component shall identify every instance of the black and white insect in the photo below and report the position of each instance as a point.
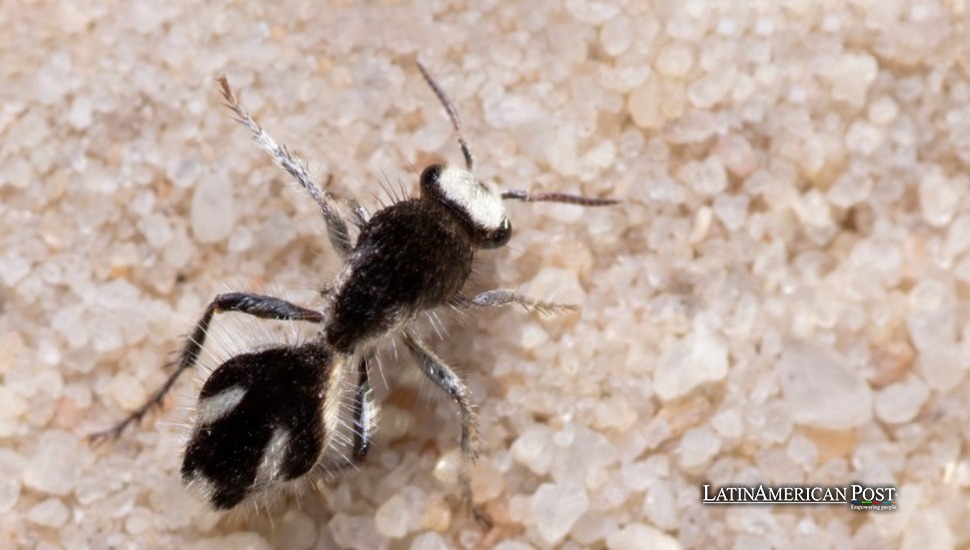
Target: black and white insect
(275, 415)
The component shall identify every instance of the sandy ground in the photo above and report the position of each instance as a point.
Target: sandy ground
(780, 300)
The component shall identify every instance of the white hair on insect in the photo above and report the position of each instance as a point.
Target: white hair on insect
(483, 206)
(219, 405)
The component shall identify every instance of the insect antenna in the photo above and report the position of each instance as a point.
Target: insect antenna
(452, 114)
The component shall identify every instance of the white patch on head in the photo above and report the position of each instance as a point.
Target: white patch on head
(271, 467)
(215, 407)
(482, 205)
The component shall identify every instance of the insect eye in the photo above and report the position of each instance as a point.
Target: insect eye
(431, 180)
(500, 236)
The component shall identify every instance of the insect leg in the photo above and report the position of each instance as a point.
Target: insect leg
(336, 226)
(446, 378)
(503, 296)
(266, 307)
(365, 415)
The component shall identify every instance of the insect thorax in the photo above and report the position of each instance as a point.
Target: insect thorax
(412, 256)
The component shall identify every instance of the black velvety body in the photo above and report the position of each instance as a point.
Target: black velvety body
(284, 387)
(412, 256)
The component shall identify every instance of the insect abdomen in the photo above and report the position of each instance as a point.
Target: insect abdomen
(259, 422)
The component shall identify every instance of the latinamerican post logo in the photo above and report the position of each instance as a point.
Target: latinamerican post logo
(857, 496)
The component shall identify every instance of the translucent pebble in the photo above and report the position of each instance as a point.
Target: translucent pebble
(616, 35)
(49, 513)
(556, 508)
(863, 138)
(429, 541)
(510, 110)
(660, 505)
(643, 105)
(592, 11)
(802, 451)
(709, 90)
(706, 178)
(883, 110)
(697, 447)
(12, 408)
(938, 197)
(157, 230)
(850, 189)
(901, 402)
(79, 116)
(393, 517)
(675, 60)
(728, 423)
(592, 527)
(851, 75)
(54, 467)
(13, 268)
(820, 390)
(731, 210)
(213, 210)
(636, 536)
(555, 283)
(358, 532)
(9, 493)
(487, 482)
(737, 155)
(958, 235)
(698, 358)
(127, 391)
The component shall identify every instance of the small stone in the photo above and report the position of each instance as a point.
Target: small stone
(79, 116)
(802, 451)
(49, 513)
(213, 212)
(556, 508)
(731, 210)
(157, 230)
(356, 532)
(643, 104)
(616, 35)
(660, 505)
(820, 390)
(707, 178)
(851, 75)
(883, 110)
(863, 138)
(901, 402)
(429, 541)
(637, 535)
(938, 197)
(392, 517)
(675, 60)
(698, 358)
(697, 447)
(737, 155)
(510, 110)
(592, 527)
(127, 391)
(591, 11)
(54, 468)
(709, 90)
